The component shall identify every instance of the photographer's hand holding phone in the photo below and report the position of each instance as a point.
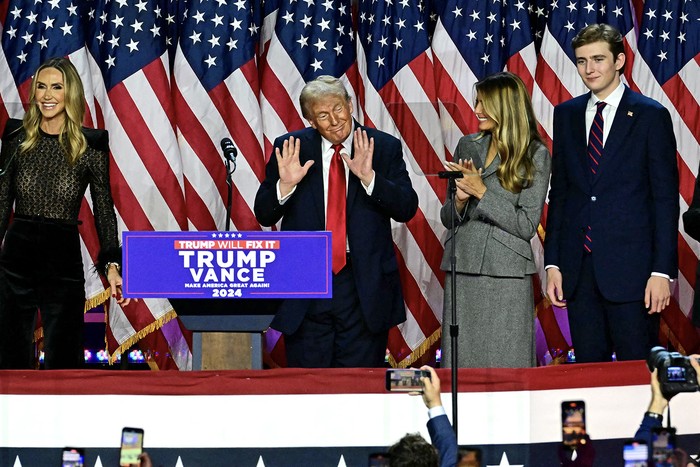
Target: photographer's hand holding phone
(131, 452)
(405, 380)
(431, 388)
(576, 448)
(145, 460)
(415, 381)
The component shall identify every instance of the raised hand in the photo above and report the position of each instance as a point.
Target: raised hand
(290, 169)
(361, 164)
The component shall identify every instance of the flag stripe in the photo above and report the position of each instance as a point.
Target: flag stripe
(152, 157)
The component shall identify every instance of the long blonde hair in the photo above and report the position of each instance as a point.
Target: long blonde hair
(504, 98)
(71, 135)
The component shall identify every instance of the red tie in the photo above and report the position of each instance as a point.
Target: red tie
(335, 218)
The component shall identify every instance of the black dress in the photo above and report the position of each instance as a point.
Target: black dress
(40, 262)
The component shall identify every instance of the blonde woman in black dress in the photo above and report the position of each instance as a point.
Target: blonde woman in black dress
(47, 162)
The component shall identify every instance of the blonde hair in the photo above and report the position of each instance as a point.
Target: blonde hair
(504, 98)
(71, 136)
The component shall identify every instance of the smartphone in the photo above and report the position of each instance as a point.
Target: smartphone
(405, 379)
(635, 453)
(131, 446)
(72, 457)
(573, 423)
(663, 442)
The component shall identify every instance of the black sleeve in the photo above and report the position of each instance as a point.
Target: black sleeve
(97, 139)
(12, 128)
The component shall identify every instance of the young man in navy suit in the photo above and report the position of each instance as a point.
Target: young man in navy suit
(612, 227)
(351, 329)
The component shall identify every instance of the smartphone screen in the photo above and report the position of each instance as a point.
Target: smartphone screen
(663, 442)
(131, 447)
(405, 379)
(635, 453)
(72, 457)
(573, 423)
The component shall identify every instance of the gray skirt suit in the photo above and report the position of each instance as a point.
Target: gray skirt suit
(494, 265)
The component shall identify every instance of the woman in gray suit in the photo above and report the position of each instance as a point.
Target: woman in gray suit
(497, 207)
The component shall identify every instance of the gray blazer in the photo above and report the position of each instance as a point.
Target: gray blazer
(493, 234)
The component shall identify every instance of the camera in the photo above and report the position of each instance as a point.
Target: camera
(676, 374)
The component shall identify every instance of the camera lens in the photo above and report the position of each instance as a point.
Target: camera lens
(657, 358)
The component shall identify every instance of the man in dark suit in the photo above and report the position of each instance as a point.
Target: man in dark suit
(612, 227)
(351, 329)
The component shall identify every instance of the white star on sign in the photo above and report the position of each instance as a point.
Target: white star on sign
(505, 462)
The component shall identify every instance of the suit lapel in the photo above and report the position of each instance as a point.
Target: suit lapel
(353, 181)
(579, 135)
(312, 151)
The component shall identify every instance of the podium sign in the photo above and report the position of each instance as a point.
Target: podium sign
(227, 265)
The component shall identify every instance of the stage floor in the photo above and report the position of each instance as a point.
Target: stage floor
(317, 417)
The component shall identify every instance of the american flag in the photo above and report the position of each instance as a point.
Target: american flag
(399, 95)
(215, 94)
(473, 40)
(170, 79)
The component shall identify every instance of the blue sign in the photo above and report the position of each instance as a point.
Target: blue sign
(227, 264)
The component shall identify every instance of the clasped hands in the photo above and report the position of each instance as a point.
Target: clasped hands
(470, 184)
(291, 172)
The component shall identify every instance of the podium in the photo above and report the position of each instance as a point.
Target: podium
(226, 286)
(226, 334)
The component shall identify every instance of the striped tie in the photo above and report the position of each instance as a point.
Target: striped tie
(595, 151)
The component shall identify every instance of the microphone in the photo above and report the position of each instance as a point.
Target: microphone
(450, 174)
(230, 151)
